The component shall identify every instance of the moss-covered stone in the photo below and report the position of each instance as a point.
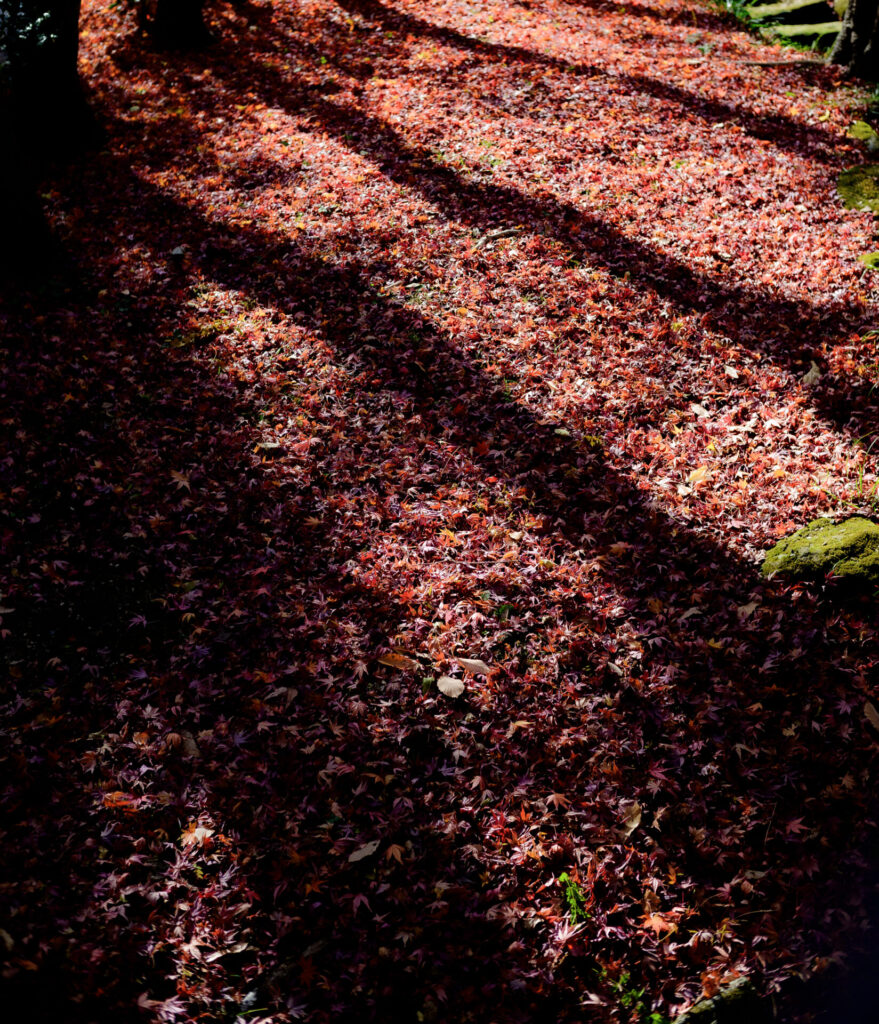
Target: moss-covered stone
(849, 550)
(736, 1003)
(858, 187)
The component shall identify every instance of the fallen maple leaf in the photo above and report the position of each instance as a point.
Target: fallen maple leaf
(195, 835)
(658, 924)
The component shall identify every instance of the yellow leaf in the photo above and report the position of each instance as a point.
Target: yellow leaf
(517, 725)
(698, 475)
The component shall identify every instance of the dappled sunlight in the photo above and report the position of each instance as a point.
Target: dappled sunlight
(388, 490)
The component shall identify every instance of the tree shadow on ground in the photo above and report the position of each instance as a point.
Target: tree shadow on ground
(793, 332)
(783, 132)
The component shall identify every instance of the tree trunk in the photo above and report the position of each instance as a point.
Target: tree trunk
(25, 240)
(857, 45)
(179, 24)
(51, 108)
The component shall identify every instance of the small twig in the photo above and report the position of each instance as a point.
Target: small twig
(493, 236)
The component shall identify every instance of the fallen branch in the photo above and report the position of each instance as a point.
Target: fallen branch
(782, 63)
(494, 236)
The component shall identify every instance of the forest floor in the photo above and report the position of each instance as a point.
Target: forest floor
(412, 349)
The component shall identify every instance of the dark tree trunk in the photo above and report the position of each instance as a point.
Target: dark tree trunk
(51, 109)
(25, 241)
(44, 117)
(179, 24)
(857, 46)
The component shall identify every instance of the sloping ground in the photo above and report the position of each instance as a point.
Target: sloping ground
(402, 333)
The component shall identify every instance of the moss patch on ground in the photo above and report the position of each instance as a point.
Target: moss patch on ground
(849, 550)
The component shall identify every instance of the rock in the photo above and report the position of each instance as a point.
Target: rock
(736, 1003)
(849, 550)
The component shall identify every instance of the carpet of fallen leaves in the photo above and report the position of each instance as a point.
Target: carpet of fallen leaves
(382, 508)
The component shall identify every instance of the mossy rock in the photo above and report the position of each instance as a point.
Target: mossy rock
(858, 187)
(849, 550)
(736, 1003)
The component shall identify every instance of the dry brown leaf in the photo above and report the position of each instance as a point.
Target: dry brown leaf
(401, 662)
(474, 665)
(871, 714)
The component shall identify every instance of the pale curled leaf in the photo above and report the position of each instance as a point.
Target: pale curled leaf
(631, 817)
(189, 747)
(813, 375)
(450, 686)
(238, 947)
(367, 850)
(474, 665)
(871, 714)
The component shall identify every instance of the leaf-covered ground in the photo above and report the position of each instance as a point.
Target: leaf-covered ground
(399, 333)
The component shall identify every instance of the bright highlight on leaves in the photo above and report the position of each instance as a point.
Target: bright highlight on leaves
(196, 835)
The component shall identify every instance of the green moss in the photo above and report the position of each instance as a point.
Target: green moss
(858, 187)
(849, 550)
(736, 1003)
(865, 132)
